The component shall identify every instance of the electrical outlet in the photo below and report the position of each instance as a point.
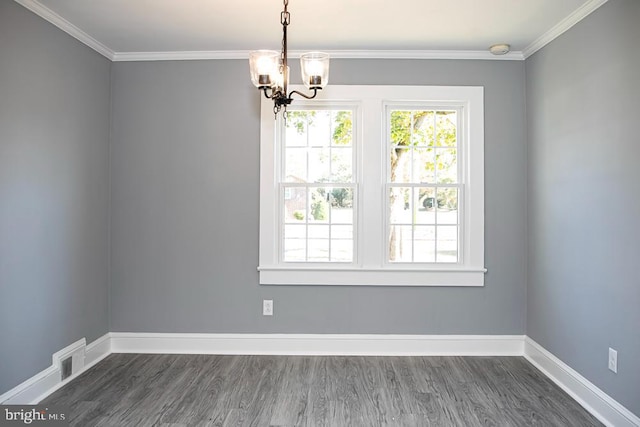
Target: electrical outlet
(613, 360)
(267, 307)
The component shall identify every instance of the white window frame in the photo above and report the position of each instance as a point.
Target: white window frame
(370, 266)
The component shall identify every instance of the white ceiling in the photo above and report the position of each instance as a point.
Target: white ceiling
(237, 25)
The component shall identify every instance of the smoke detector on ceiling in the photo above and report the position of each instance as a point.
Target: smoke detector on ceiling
(500, 49)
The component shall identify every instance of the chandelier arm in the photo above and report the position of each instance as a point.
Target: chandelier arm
(276, 95)
(315, 92)
(266, 94)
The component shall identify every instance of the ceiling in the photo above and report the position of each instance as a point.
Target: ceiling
(127, 26)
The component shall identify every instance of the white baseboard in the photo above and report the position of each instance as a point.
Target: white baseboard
(29, 391)
(49, 380)
(594, 400)
(97, 350)
(320, 344)
(597, 402)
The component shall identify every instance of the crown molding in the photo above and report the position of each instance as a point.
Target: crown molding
(335, 54)
(195, 55)
(66, 26)
(561, 27)
(47, 14)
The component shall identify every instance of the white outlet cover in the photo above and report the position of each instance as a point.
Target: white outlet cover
(613, 360)
(267, 307)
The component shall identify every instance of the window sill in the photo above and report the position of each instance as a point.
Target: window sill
(349, 276)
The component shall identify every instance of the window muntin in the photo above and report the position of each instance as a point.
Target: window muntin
(318, 186)
(423, 184)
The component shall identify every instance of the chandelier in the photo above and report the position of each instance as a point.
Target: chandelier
(270, 72)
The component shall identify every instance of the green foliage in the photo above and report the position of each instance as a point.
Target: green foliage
(338, 197)
(299, 215)
(342, 197)
(446, 129)
(319, 209)
(300, 119)
(342, 122)
(342, 133)
(424, 129)
(403, 123)
(448, 198)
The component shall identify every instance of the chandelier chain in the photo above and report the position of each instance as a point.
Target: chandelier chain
(285, 20)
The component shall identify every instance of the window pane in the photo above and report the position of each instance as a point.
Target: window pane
(295, 204)
(400, 244)
(447, 205)
(318, 207)
(295, 231)
(446, 123)
(400, 127)
(425, 206)
(424, 244)
(400, 205)
(422, 132)
(319, 128)
(341, 204)
(295, 250)
(342, 231)
(342, 128)
(447, 165)
(400, 165)
(424, 165)
(296, 131)
(342, 250)
(318, 250)
(341, 165)
(318, 231)
(319, 162)
(447, 244)
(295, 163)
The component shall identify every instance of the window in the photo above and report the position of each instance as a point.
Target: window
(423, 184)
(374, 185)
(317, 180)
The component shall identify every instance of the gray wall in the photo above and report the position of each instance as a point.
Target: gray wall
(583, 104)
(54, 189)
(185, 193)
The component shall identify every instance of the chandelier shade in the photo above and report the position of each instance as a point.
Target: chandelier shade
(314, 67)
(264, 67)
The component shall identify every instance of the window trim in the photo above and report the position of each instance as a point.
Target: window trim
(370, 267)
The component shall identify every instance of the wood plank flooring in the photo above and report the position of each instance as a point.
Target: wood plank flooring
(208, 390)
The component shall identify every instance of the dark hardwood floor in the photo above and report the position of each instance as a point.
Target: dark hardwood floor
(206, 390)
